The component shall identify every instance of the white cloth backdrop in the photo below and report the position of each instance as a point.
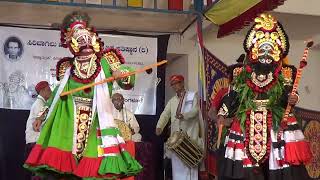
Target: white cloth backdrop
(28, 56)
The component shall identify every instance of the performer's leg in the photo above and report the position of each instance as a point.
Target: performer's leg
(289, 173)
(179, 170)
(255, 173)
(194, 173)
(167, 168)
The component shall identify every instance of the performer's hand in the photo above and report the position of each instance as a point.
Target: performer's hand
(221, 120)
(180, 117)
(116, 74)
(212, 114)
(158, 131)
(36, 125)
(43, 115)
(293, 99)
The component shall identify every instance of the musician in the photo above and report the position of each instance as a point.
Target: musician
(33, 122)
(183, 111)
(122, 113)
(260, 144)
(79, 136)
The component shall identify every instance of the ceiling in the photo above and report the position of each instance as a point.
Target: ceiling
(43, 15)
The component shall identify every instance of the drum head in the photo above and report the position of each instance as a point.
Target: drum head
(173, 139)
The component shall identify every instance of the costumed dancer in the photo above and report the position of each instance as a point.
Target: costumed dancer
(79, 136)
(259, 145)
(183, 111)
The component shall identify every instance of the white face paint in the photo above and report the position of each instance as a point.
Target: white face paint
(265, 53)
(83, 37)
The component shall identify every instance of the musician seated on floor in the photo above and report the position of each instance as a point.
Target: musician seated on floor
(123, 115)
(183, 111)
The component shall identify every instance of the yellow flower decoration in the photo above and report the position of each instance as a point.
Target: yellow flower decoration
(95, 44)
(74, 44)
(287, 73)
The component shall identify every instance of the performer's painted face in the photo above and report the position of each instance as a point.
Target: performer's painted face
(266, 59)
(84, 42)
(265, 65)
(265, 48)
(266, 53)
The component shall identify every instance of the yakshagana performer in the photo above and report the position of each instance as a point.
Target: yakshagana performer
(259, 144)
(79, 136)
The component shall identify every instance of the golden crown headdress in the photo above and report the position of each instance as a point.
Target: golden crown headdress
(266, 31)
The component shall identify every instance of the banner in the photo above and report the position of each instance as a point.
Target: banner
(216, 79)
(216, 74)
(233, 15)
(28, 56)
(138, 52)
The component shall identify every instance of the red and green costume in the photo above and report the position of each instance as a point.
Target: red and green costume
(79, 136)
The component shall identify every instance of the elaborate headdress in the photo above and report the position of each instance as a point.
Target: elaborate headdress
(266, 37)
(75, 33)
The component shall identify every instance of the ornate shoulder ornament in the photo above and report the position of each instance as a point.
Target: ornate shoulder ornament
(62, 66)
(288, 72)
(114, 58)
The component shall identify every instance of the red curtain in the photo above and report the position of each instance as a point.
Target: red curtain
(175, 5)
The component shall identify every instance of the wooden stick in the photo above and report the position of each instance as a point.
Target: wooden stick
(110, 79)
(219, 135)
(303, 63)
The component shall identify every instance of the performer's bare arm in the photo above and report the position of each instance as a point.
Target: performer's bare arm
(116, 74)
(164, 119)
(37, 123)
(228, 108)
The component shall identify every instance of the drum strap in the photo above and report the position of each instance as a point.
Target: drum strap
(181, 98)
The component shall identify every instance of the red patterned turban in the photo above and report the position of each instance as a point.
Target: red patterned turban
(175, 79)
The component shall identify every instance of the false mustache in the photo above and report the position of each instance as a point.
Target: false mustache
(85, 47)
(263, 68)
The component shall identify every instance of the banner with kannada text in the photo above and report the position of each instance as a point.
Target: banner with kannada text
(28, 56)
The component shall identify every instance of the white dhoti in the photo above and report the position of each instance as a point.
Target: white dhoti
(180, 171)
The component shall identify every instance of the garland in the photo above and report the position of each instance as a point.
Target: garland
(247, 95)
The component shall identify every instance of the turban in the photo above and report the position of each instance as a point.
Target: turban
(41, 85)
(175, 79)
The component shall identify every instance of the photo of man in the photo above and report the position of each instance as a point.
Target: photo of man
(13, 49)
